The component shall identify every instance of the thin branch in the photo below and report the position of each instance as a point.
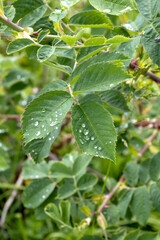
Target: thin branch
(110, 194)
(14, 116)
(152, 76)
(10, 201)
(149, 124)
(49, 8)
(10, 24)
(143, 150)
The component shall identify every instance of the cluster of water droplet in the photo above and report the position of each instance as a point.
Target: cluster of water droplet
(52, 122)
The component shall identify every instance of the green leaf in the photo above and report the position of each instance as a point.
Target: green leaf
(65, 208)
(144, 176)
(140, 205)
(148, 8)
(29, 11)
(36, 192)
(101, 57)
(89, 122)
(148, 236)
(154, 168)
(86, 181)
(60, 170)
(4, 160)
(132, 235)
(44, 113)
(111, 214)
(114, 7)
(53, 86)
(40, 148)
(100, 77)
(80, 164)
(131, 173)
(45, 52)
(35, 171)
(69, 3)
(151, 44)
(67, 53)
(57, 15)
(44, 24)
(67, 189)
(19, 44)
(87, 52)
(92, 19)
(118, 39)
(91, 238)
(124, 200)
(16, 76)
(52, 211)
(155, 195)
(57, 66)
(115, 99)
(129, 48)
(95, 41)
(70, 40)
(42, 35)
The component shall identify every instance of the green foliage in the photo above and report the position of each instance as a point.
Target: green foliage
(79, 119)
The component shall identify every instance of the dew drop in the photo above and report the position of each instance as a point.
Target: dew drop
(80, 130)
(38, 133)
(83, 125)
(110, 142)
(86, 132)
(56, 127)
(92, 138)
(32, 151)
(50, 139)
(99, 148)
(56, 116)
(45, 129)
(95, 147)
(60, 114)
(36, 123)
(43, 196)
(82, 142)
(111, 85)
(87, 138)
(52, 124)
(31, 118)
(43, 126)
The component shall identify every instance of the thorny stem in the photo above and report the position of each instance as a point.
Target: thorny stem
(134, 64)
(10, 24)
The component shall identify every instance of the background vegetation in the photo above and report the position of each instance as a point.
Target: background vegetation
(56, 186)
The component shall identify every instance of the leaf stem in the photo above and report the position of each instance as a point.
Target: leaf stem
(77, 189)
(10, 24)
(106, 177)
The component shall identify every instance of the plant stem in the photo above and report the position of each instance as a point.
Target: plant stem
(10, 186)
(155, 78)
(77, 189)
(106, 177)
(10, 24)
(110, 194)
